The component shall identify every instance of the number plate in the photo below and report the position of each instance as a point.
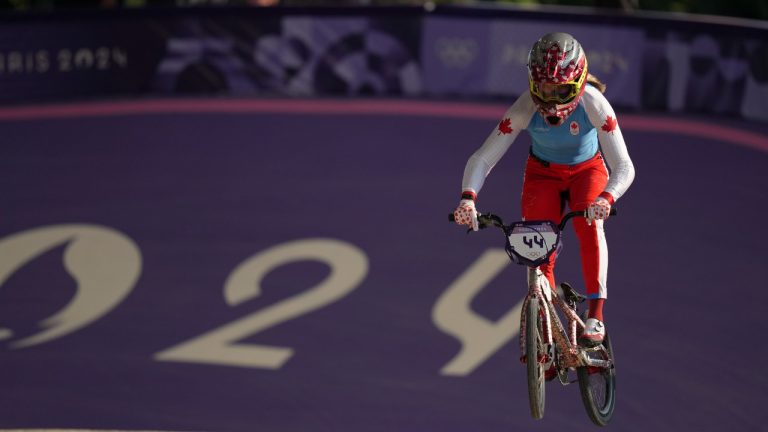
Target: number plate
(531, 243)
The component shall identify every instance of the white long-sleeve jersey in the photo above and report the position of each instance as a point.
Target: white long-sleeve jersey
(576, 140)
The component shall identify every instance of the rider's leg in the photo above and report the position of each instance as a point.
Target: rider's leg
(596, 308)
(587, 183)
(594, 262)
(541, 200)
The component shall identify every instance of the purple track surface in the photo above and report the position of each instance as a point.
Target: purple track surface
(198, 193)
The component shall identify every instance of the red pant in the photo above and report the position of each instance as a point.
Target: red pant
(546, 188)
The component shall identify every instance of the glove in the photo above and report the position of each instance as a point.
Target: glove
(465, 214)
(600, 209)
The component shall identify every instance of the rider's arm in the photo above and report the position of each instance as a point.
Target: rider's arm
(603, 118)
(485, 158)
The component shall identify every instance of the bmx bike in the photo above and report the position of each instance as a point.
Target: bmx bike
(547, 342)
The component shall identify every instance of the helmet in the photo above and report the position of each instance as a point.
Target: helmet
(557, 73)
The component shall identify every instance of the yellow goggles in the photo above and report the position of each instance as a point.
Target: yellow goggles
(561, 93)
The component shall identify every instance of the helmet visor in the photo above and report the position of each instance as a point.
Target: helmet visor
(554, 92)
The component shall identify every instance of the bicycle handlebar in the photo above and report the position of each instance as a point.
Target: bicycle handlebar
(487, 219)
(583, 213)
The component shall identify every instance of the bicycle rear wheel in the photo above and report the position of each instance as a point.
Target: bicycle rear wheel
(598, 386)
(534, 355)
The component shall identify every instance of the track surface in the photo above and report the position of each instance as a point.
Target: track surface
(169, 202)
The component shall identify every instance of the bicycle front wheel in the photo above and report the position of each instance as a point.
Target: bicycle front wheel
(534, 357)
(598, 386)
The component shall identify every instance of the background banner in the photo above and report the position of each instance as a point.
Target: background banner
(648, 64)
(77, 58)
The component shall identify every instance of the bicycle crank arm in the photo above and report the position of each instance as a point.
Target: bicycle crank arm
(607, 364)
(588, 361)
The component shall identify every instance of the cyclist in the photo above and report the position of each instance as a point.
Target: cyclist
(570, 122)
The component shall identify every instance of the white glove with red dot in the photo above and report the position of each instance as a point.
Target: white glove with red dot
(600, 209)
(466, 214)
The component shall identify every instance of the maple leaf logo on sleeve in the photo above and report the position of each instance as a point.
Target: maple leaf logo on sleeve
(610, 124)
(505, 126)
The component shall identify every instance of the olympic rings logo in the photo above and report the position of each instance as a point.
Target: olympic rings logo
(456, 52)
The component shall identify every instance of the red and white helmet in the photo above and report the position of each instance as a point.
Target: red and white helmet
(557, 74)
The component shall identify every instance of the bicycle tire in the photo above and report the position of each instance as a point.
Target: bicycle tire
(598, 388)
(533, 351)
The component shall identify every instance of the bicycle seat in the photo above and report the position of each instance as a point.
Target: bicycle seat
(571, 296)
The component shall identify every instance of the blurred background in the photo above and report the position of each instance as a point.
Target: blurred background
(231, 215)
(736, 8)
(679, 56)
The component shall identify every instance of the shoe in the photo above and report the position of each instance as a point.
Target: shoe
(594, 333)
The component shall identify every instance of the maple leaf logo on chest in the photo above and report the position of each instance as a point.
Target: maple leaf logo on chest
(505, 126)
(574, 128)
(610, 124)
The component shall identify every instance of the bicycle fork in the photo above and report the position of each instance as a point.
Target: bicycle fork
(538, 288)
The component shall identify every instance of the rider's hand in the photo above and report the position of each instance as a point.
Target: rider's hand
(466, 214)
(600, 209)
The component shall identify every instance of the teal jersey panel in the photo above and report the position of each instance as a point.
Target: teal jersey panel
(572, 142)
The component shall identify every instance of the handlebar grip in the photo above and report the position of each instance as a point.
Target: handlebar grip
(451, 218)
(613, 211)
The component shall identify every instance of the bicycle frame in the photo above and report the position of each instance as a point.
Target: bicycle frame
(570, 354)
